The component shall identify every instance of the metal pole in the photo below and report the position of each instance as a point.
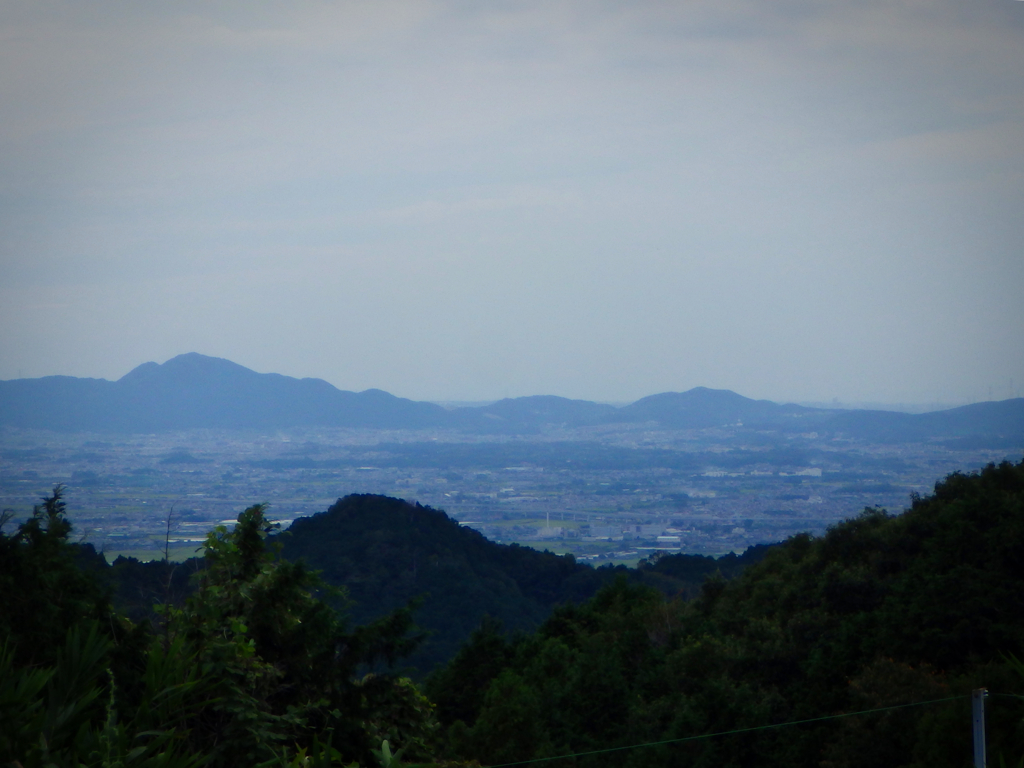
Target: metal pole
(978, 707)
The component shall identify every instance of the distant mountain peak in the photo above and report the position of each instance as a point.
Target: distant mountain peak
(141, 373)
(188, 364)
(705, 393)
(192, 391)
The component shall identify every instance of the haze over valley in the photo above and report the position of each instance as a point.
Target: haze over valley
(705, 471)
(701, 212)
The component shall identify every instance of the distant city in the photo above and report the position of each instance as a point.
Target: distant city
(550, 473)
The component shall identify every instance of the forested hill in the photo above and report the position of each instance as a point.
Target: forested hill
(881, 612)
(386, 552)
(853, 650)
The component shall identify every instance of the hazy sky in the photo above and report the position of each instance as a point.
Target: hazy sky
(792, 199)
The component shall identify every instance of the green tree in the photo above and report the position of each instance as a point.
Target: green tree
(882, 610)
(284, 662)
(62, 651)
(44, 591)
(253, 669)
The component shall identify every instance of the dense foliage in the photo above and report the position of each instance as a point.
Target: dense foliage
(252, 669)
(386, 552)
(256, 668)
(882, 610)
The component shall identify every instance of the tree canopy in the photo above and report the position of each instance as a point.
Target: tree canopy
(258, 665)
(882, 610)
(254, 668)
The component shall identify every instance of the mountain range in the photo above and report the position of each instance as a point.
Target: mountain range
(193, 391)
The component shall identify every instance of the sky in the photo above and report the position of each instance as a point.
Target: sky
(798, 200)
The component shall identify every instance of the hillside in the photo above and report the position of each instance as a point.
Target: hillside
(386, 552)
(700, 408)
(882, 611)
(856, 649)
(194, 391)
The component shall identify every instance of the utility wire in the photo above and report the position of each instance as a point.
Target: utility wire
(728, 733)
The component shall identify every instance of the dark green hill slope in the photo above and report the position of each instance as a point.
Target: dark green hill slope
(881, 611)
(386, 552)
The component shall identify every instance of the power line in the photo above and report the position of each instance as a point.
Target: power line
(728, 733)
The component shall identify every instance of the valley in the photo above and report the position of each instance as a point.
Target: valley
(605, 493)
